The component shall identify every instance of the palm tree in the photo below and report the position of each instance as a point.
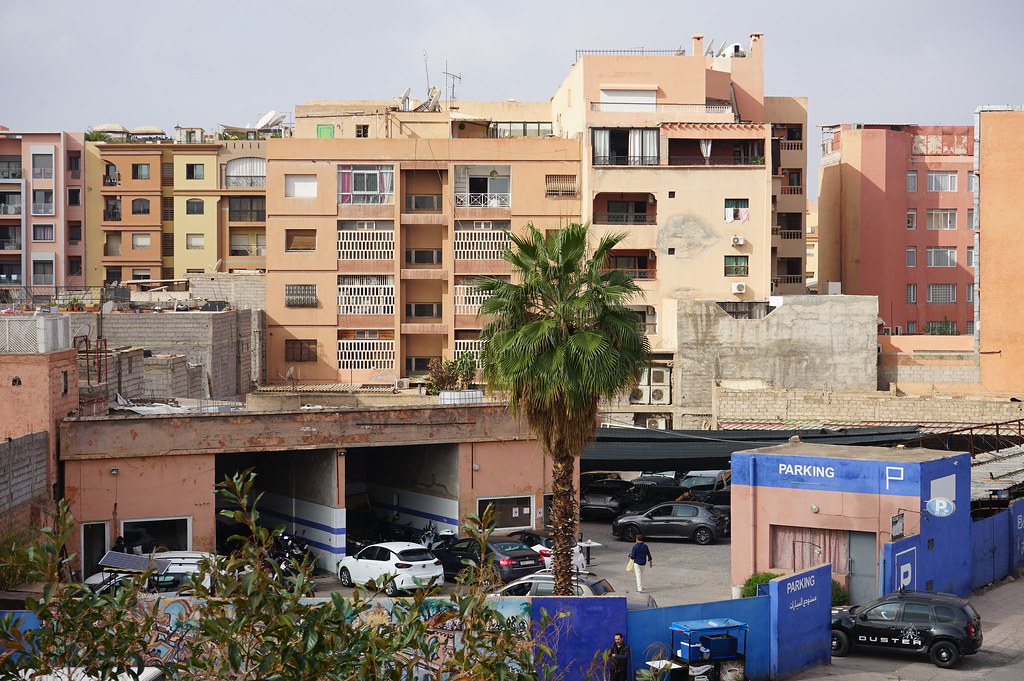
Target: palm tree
(560, 339)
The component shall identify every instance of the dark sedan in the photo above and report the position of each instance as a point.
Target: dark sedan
(512, 558)
(605, 497)
(693, 520)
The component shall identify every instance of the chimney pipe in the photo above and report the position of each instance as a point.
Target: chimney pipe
(698, 45)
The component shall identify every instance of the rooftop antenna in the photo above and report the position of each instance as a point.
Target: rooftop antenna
(264, 121)
(426, 69)
(453, 77)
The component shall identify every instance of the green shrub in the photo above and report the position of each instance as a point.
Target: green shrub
(750, 586)
(15, 565)
(840, 596)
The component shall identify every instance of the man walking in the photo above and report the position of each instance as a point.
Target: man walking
(642, 560)
(618, 659)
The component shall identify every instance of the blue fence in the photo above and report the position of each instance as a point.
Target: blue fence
(991, 540)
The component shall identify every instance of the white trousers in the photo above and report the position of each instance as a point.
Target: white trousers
(638, 570)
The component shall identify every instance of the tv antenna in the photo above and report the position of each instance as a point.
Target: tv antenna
(426, 69)
(454, 77)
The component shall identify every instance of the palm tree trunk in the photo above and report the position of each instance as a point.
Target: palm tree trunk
(563, 517)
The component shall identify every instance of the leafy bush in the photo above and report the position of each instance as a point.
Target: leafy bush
(15, 565)
(750, 586)
(455, 374)
(840, 596)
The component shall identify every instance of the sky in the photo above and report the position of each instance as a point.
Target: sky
(74, 64)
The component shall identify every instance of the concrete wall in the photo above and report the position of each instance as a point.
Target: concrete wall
(823, 342)
(167, 376)
(23, 484)
(243, 291)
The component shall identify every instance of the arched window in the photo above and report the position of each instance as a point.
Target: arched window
(194, 207)
(246, 172)
(140, 206)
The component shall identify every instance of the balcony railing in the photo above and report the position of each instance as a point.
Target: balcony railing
(484, 200)
(474, 347)
(647, 107)
(247, 216)
(10, 279)
(649, 328)
(791, 234)
(235, 181)
(831, 157)
(42, 173)
(10, 244)
(12, 173)
(111, 181)
(790, 145)
(646, 273)
(468, 300)
(255, 251)
(366, 244)
(481, 244)
(788, 279)
(625, 160)
(716, 161)
(625, 218)
(366, 354)
(42, 209)
(10, 209)
(793, 190)
(112, 215)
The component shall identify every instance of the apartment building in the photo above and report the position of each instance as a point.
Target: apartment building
(41, 209)
(381, 213)
(166, 208)
(896, 220)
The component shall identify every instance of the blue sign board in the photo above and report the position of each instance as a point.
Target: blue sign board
(801, 620)
(940, 508)
(827, 474)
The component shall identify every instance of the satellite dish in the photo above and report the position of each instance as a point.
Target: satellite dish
(290, 372)
(108, 307)
(277, 121)
(82, 331)
(264, 122)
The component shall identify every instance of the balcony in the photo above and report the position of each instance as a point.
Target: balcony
(625, 160)
(10, 244)
(788, 279)
(788, 233)
(112, 215)
(647, 107)
(473, 243)
(7, 279)
(10, 209)
(245, 181)
(111, 180)
(789, 145)
(249, 251)
(42, 209)
(474, 347)
(483, 200)
(468, 300)
(375, 355)
(247, 216)
(625, 218)
(366, 244)
(792, 190)
(716, 160)
(12, 173)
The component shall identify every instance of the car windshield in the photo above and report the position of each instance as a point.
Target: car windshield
(506, 546)
(698, 481)
(416, 555)
(601, 587)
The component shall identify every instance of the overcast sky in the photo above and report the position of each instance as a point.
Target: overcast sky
(72, 64)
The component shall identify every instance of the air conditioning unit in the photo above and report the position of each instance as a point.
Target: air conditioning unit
(739, 287)
(657, 424)
(640, 395)
(645, 377)
(661, 395)
(402, 384)
(737, 240)
(660, 375)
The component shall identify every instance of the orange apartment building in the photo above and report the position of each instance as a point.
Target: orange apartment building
(897, 221)
(41, 211)
(381, 213)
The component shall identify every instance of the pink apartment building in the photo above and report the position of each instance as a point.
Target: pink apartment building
(896, 220)
(41, 210)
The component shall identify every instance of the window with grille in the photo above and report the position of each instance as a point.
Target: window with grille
(737, 265)
(414, 310)
(362, 130)
(942, 180)
(560, 185)
(300, 350)
(942, 218)
(939, 294)
(911, 180)
(366, 184)
(941, 256)
(422, 256)
(300, 295)
(911, 296)
(912, 219)
(943, 328)
(969, 328)
(911, 256)
(300, 239)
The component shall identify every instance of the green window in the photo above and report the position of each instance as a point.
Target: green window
(736, 266)
(325, 132)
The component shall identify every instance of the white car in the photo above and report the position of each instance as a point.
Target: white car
(395, 565)
(543, 543)
(183, 564)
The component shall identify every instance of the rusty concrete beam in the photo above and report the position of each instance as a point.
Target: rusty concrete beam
(101, 437)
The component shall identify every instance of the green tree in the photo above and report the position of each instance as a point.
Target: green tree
(560, 339)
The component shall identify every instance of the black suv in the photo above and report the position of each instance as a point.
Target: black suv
(944, 625)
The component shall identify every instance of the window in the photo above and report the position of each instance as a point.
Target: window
(194, 171)
(367, 335)
(422, 310)
(418, 365)
(42, 232)
(886, 612)
(74, 162)
(366, 184)
(736, 266)
(300, 240)
(916, 612)
(140, 206)
(940, 294)
(970, 256)
(943, 328)
(195, 241)
(194, 207)
(972, 182)
(325, 131)
(300, 350)
(74, 266)
(362, 131)
(560, 185)
(911, 256)
(423, 256)
(911, 180)
(247, 209)
(42, 166)
(969, 294)
(140, 242)
(504, 130)
(74, 196)
(141, 275)
(941, 256)
(912, 219)
(300, 295)
(140, 171)
(300, 186)
(969, 328)
(74, 232)
(942, 180)
(912, 326)
(626, 147)
(942, 218)
(911, 297)
(737, 209)
(144, 536)
(509, 512)
(42, 272)
(63, 383)
(970, 219)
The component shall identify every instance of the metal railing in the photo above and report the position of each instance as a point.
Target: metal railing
(484, 200)
(625, 218)
(625, 160)
(42, 208)
(111, 181)
(716, 161)
(12, 173)
(234, 181)
(10, 209)
(247, 216)
(646, 273)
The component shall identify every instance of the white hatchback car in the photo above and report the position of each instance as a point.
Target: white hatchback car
(397, 566)
(543, 543)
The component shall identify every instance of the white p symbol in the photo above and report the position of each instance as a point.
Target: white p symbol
(906, 574)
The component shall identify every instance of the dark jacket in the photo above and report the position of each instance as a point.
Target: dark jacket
(618, 657)
(640, 554)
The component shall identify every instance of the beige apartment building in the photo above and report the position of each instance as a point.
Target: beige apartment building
(380, 214)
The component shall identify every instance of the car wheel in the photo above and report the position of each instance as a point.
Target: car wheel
(630, 532)
(345, 577)
(944, 654)
(703, 536)
(840, 643)
(390, 588)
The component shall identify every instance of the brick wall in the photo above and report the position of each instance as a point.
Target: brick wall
(23, 487)
(167, 376)
(243, 291)
(934, 374)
